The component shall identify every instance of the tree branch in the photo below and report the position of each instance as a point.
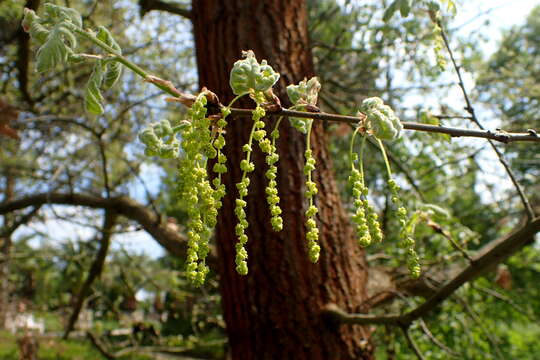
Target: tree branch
(526, 204)
(165, 235)
(493, 253)
(149, 5)
(499, 135)
(95, 270)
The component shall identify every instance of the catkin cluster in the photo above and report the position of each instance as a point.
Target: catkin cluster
(272, 197)
(312, 235)
(406, 241)
(195, 189)
(365, 217)
(257, 133)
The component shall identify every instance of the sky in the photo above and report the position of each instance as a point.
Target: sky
(470, 18)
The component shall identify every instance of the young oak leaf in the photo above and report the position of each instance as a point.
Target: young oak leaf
(92, 93)
(248, 74)
(114, 68)
(54, 51)
(305, 93)
(60, 14)
(381, 119)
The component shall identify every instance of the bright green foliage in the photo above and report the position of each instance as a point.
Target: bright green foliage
(404, 7)
(380, 119)
(248, 74)
(56, 33)
(114, 68)
(160, 140)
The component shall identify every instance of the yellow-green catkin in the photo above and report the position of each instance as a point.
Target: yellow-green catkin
(406, 241)
(272, 197)
(257, 133)
(438, 47)
(365, 217)
(220, 166)
(312, 235)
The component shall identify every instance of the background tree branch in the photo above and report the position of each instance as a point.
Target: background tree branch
(95, 270)
(161, 231)
(149, 5)
(493, 253)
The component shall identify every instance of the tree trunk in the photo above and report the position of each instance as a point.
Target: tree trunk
(5, 249)
(274, 311)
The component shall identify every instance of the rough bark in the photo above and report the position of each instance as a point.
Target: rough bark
(275, 311)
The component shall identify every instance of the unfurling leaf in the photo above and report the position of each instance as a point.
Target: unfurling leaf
(61, 13)
(54, 51)
(114, 68)
(305, 93)
(92, 93)
(248, 74)
(381, 119)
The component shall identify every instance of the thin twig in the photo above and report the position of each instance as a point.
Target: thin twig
(528, 208)
(499, 135)
(434, 340)
(411, 343)
(474, 316)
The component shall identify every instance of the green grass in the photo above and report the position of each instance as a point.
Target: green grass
(49, 349)
(53, 348)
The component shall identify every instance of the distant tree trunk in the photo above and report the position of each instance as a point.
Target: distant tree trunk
(5, 249)
(28, 347)
(274, 311)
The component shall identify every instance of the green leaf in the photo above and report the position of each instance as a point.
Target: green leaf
(31, 25)
(92, 93)
(389, 12)
(427, 117)
(104, 35)
(436, 212)
(306, 92)
(61, 13)
(53, 52)
(381, 119)
(114, 68)
(405, 8)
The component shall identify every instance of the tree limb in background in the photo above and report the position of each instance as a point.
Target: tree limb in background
(95, 270)
(528, 208)
(166, 235)
(149, 5)
(491, 254)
